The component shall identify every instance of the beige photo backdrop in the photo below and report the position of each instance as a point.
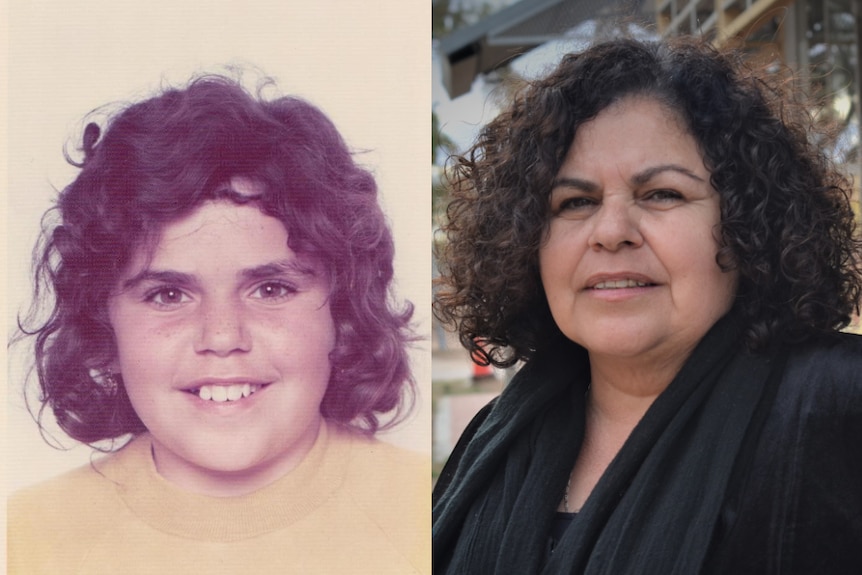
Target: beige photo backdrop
(366, 65)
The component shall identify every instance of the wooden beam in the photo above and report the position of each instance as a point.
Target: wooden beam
(747, 20)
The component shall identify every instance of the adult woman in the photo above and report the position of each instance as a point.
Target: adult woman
(221, 273)
(652, 232)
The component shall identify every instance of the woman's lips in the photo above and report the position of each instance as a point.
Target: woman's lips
(618, 281)
(619, 284)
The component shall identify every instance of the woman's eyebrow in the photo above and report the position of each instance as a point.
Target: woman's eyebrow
(576, 183)
(646, 175)
(638, 179)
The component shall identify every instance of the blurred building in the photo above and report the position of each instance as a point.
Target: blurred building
(819, 39)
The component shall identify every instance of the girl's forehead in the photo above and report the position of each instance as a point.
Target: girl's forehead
(216, 219)
(217, 232)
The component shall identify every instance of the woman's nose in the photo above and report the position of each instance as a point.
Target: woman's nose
(615, 225)
(222, 329)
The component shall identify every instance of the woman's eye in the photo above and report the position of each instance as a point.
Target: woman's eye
(167, 296)
(273, 290)
(664, 196)
(576, 203)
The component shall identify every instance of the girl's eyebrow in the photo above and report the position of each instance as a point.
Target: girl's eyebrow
(263, 271)
(278, 268)
(156, 276)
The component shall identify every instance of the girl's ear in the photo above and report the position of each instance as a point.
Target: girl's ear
(106, 379)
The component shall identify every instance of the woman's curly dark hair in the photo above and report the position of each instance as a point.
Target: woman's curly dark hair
(156, 161)
(787, 224)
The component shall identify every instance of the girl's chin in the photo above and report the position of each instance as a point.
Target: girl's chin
(231, 464)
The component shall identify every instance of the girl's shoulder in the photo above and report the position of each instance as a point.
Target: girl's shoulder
(86, 489)
(50, 522)
(68, 487)
(378, 460)
(389, 488)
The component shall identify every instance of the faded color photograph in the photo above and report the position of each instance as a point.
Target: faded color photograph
(219, 327)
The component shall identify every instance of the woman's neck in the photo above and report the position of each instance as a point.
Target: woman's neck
(622, 389)
(620, 394)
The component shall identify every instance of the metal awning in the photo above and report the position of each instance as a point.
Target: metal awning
(490, 43)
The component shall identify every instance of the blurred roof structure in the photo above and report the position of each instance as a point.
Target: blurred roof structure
(722, 21)
(493, 41)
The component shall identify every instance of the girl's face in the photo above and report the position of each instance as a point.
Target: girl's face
(223, 337)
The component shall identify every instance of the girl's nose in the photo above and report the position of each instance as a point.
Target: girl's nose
(222, 329)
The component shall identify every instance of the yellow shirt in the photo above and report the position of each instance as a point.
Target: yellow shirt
(354, 505)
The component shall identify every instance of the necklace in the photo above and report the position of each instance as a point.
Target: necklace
(569, 480)
(566, 494)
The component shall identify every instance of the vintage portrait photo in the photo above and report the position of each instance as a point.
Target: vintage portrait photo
(219, 277)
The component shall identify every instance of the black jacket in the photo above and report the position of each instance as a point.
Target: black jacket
(791, 502)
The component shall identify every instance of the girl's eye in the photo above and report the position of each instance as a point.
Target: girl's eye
(273, 291)
(167, 296)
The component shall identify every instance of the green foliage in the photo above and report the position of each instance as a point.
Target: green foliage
(450, 15)
(441, 146)
(440, 142)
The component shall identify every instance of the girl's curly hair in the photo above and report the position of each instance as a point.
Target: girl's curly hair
(787, 224)
(159, 159)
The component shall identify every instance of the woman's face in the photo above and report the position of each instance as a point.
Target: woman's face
(223, 337)
(629, 264)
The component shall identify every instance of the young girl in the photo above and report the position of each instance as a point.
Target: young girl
(220, 272)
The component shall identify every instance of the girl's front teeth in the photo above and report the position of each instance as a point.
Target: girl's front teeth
(221, 393)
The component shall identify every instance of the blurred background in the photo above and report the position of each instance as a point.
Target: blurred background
(483, 48)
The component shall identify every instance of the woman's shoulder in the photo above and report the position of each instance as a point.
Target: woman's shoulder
(817, 408)
(799, 494)
(841, 346)
(826, 370)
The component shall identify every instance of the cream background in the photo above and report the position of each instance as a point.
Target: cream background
(366, 65)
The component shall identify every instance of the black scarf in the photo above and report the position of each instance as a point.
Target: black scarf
(655, 508)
